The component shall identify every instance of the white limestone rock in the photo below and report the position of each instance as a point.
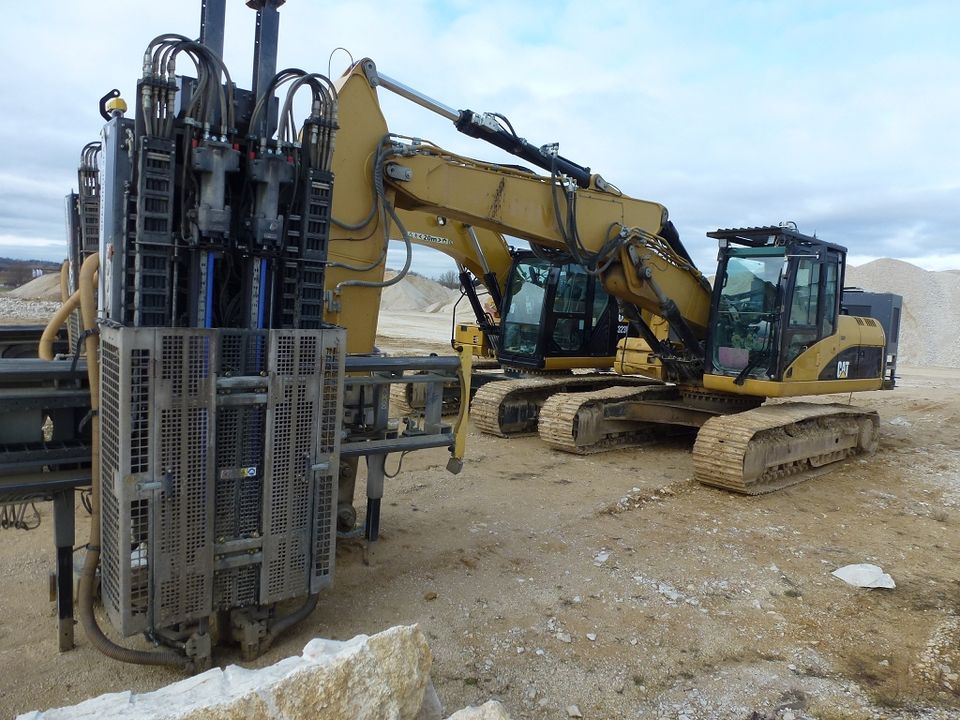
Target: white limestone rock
(379, 676)
(490, 710)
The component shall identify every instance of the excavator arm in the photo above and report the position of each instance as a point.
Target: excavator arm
(568, 215)
(362, 230)
(615, 234)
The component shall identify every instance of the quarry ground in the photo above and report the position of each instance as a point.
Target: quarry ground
(617, 584)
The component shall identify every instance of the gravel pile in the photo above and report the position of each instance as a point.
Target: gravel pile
(45, 287)
(930, 324)
(415, 292)
(14, 308)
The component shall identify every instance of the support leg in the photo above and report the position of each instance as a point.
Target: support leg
(64, 536)
(375, 465)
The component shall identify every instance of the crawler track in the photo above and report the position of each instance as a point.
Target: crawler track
(513, 407)
(775, 446)
(572, 422)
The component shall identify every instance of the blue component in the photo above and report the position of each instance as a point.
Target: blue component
(208, 320)
(261, 301)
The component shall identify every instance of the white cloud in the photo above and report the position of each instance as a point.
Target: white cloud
(840, 118)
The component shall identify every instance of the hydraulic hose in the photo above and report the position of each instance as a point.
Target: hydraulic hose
(45, 351)
(282, 624)
(390, 212)
(64, 281)
(88, 313)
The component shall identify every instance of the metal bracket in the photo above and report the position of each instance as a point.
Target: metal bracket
(399, 172)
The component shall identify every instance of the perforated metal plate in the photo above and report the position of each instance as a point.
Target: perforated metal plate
(302, 457)
(216, 494)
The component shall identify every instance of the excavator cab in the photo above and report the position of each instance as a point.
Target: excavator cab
(776, 312)
(556, 317)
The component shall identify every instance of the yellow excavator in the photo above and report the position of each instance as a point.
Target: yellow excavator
(489, 270)
(770, 328)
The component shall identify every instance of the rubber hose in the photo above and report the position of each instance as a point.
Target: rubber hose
(64, 281)
(45, 350)
(88, 312)
(287, 621)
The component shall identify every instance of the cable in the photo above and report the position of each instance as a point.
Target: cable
(284, 76)
(13, 516)
(159, 87)
(396, 472)
(85, 501)
(504, 121)
(359, 268)
(363, 223)
(330, 58)
(383, 153)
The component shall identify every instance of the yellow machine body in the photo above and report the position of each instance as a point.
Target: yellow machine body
(834, 357)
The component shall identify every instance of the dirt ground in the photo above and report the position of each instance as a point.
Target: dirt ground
(617, 584)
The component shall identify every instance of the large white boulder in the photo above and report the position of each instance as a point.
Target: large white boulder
(376, 677)
(490, 710)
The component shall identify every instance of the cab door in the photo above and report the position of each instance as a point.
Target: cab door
(582, 318)
(814, 303)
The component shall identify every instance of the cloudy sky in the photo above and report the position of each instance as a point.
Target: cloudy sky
(840, 116)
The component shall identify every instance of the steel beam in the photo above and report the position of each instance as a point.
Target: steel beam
(379, 363)
(265, 52)
(394, 445)
(212, 22)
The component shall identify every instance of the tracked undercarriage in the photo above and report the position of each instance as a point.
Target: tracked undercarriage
(774, 446)
(513, 407)
(740, 446)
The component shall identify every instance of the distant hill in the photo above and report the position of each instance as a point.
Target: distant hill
(45, 287)
(930, 322)
(416, 293)
(47, 265)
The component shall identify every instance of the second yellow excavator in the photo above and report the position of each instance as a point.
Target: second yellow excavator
(771, 327)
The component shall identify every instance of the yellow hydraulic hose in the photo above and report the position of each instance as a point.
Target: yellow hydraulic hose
(45, 351)
(64, 281)
(88, 314)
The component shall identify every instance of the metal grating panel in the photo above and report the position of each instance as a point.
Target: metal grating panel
(153, 246)
(246, 473)
(139, 410)
(299, 497)
(243, 353)
(236, 587)
(328, 441)
(125, 522)
(185, 395)
(240, 432)
(324, 531)
(109, 467)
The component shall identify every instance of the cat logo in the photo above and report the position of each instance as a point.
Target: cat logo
(843, 369)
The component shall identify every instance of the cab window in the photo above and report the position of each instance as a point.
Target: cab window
(828, 310)
(570, 308)
(747, 307)
(813, 308)
(521, 325)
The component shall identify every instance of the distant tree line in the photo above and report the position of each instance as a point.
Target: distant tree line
(449, 279)
(16, 276)
(14, 273)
